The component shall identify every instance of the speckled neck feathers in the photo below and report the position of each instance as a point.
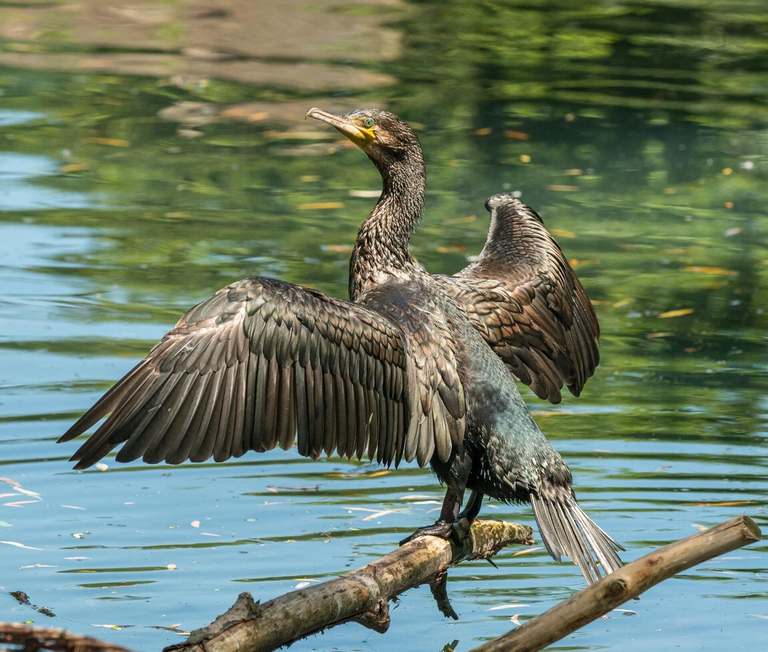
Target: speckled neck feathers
(382, 247)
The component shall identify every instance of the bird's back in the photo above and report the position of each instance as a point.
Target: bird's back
(511, 456)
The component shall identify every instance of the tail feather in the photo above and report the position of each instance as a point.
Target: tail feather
(580, 552)
(567, 531)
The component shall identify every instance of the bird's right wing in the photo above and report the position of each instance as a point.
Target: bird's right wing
(527, 302)
(249, 368)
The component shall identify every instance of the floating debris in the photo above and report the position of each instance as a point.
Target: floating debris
(562, 188)
(111, 142)
(176, 629)
(725, 503)
(321, 205)
(675, 313)
(73, 167)
(339, 249)
(525, 552)
(20, 596)
(23, 599)
(702, 269)
(16, 544)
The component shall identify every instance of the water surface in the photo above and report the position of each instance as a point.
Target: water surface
(147, 159)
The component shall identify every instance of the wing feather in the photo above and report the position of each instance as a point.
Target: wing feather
(211, 419)
(350, 396)
(372, 423)
(190, 427)
(285, 413)
(362, 420)
(260, 402)
(329, 409)
(315, 408)
(163, 420)
(269, 440)
(302, 409)
(258, 364)
(222, 448)
(341, 413)
(251, 370)
(99, 445)
(525, 299)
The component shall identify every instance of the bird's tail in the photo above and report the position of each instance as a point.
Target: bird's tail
(567, 530)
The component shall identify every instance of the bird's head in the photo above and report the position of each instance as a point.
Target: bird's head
(380, 134)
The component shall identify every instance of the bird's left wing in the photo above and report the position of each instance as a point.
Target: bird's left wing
(258, 363)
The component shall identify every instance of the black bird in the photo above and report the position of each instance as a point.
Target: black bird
(398, 371)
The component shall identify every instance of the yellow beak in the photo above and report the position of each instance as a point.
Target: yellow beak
(360, 136)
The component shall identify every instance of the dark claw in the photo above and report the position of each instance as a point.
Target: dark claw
(441, 529)
(439, 590)
(456, 531)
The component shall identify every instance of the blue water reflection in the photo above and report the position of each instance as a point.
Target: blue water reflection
(18, 193)
(10, 117)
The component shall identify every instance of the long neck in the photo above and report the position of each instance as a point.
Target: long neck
(382, 246)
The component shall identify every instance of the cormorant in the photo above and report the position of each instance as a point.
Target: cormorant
(400, 370)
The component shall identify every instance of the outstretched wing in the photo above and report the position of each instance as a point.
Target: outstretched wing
(258, 363)
(526, 301)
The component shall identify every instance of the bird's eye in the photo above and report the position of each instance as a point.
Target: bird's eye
(368, 122)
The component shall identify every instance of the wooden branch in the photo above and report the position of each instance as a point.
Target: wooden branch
(361, 596)
(33, 639)
(628, 582)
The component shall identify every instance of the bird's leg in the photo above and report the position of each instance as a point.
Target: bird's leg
(444, 526)
(468, 515)
(455, 474)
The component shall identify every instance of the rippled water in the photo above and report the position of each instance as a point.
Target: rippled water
(132, 187)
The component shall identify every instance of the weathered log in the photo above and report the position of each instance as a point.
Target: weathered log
(361, 596)
(626, 583)
(32, 639)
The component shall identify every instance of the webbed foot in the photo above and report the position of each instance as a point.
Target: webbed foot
(456, 531)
